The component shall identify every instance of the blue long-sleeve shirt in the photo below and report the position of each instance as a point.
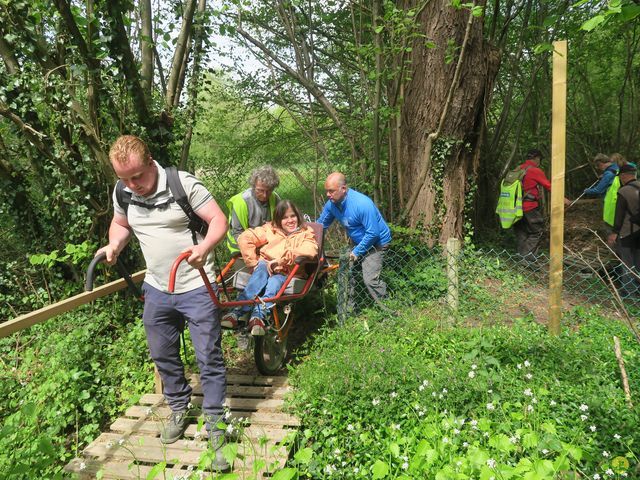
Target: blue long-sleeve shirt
(361, 218)
(600, 188)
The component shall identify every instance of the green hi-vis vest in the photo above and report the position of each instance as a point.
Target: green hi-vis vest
(238, 205)
(610, 200)
(509, 207)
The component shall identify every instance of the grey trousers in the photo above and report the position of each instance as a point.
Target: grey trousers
(164, 319)
(371, 266)
(529, 231)
(629, 253)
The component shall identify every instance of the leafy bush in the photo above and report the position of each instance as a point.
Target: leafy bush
(408, 400)
(63, 380)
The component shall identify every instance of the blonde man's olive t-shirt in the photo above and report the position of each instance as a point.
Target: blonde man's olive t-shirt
(163, 233)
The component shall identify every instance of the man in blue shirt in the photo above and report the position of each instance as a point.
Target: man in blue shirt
(609, 171)
(365, 226)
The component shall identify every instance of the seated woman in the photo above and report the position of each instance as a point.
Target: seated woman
(271, 250)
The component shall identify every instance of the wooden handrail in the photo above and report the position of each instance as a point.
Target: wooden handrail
(45, 313)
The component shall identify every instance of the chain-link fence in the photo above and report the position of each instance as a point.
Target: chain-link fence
(473, 279)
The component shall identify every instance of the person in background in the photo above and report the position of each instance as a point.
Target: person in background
(611, 196)
(254, 206)
(625, 237)
(367, 230)
(609, 169)
(530, 227)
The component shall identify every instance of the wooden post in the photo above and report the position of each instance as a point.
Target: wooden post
(558, 143)
(157, 381)
(453, 252)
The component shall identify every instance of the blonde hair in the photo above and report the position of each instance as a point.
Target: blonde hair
(618, 159)
(125, 145)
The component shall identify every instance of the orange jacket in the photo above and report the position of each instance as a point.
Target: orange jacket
(274, 244)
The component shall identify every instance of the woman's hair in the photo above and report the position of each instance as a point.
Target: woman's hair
(618, 159)
(281, 209)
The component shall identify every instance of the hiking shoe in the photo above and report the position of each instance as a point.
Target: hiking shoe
(229, 320)
(218, 441)
(175, 426)
(256, 327)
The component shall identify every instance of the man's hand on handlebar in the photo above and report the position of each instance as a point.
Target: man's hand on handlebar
(111, 252)
(198, 256)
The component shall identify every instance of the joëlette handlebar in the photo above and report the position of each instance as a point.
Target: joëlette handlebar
(124, 273)
(214, 294)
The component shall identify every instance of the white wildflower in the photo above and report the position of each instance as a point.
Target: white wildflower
(534, 400)
(529, 408)
(456, 431)
(489, 392)
(421, 388)
(83, 466)
(592, 428)
(596, 476)
(394, 394)
(519, 366)
(230, 429)
(513, 439)
(609, 471)
(605, 454)
(121, 441)
(465, 444)
(356, 470)
(336, 451)
(527, 363)
(623, 474)
(545, 451)
(350, 427)
(528, 392)
(375, 401)
(616, 436)
(433, 394)
(584, 408)
(474, 367)
(491, 463)
(329, 469)
(444, 390)
(553, 403)
(491, 406)
(528, 376)
(149, 412)
(583, 417)
(445, 440)
(395, 426)
(405, 465)
(471, 374)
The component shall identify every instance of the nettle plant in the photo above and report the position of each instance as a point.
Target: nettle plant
(465, 403)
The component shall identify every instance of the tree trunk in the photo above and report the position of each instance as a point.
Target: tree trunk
(437, 108)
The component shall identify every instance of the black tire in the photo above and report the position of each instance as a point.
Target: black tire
(270, 352)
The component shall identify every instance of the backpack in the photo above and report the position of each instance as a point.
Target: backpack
(509, 207)
(196, 224)
(634, 218)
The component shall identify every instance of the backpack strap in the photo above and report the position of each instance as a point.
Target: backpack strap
(196, 224)
(122, 197)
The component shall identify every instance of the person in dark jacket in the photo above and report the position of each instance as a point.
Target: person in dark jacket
(365, 227)
(625, 237)
(529, 229)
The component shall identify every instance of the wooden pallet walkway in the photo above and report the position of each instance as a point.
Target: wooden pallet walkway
(132, 446)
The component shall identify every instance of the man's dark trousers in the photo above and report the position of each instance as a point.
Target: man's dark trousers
(164, 318)
(529, 231)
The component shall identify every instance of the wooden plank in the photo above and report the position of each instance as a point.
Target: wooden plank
(232, 402)
(239, 379)
(87, 468)
(558, 151)
(258, 418)
(153, 427)
(152, 450)
(251, 391)
(29, 319)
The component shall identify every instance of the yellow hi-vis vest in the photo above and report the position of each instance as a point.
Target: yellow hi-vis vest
(509, 207)
(239, 206)
(610, 200)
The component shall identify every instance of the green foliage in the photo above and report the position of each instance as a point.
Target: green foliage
(409, 400)
(63, 380)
